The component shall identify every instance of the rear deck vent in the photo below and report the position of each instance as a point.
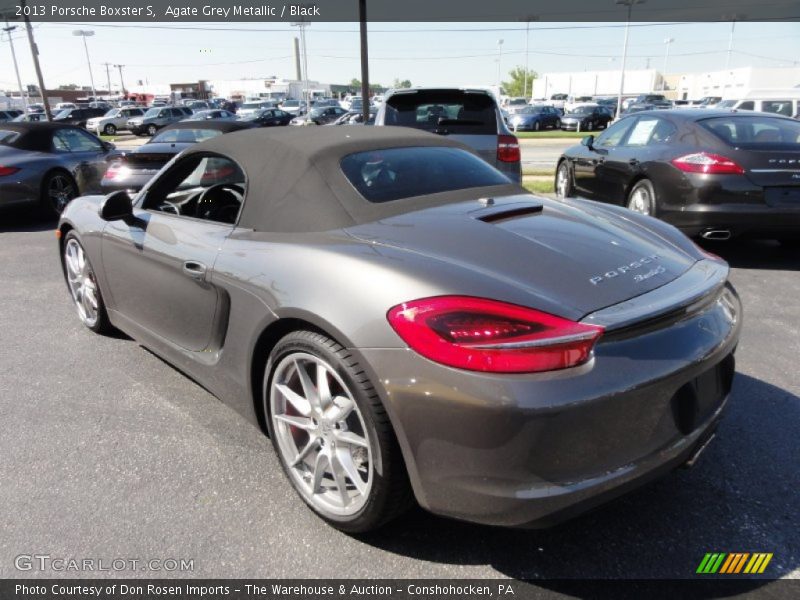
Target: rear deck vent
(511, 213)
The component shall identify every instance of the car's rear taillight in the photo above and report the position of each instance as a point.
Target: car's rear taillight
(116, 170)
(708, 163)
(491, 336)
(508, 148)
(5, 171)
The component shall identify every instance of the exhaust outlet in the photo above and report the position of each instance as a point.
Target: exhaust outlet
(716, 234)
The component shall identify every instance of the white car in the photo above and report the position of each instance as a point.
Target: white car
(291, 106)
(513, 105)
(114, 120)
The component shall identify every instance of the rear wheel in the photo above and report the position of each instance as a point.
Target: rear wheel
(558, 124)
(332, 434)
(109, 129)
(83, 287)
(642, 198)
(564, 186)
(58, 188)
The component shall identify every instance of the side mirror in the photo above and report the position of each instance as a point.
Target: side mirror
(117, 206)
(588, 141)
(108, 146)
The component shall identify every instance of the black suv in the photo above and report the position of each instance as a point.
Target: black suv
(78, 116)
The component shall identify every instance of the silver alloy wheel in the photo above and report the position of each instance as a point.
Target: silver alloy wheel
(82, 283)
(640, 201)
(60, 190)
(562, 180)
(321, 435)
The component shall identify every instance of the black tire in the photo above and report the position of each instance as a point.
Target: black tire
(110, 129)
(151, 130)
(642, 198)
(100, 324)
(568, 188)
(58, 189)
(390, 493)
(536, 126)
(558, 124)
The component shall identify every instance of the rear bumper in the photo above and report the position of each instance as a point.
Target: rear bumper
(532, 450)
(742, 220)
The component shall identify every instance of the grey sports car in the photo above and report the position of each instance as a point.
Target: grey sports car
(407, 323)
(47, 164)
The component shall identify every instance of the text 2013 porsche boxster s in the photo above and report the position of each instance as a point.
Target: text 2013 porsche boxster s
(403, 319)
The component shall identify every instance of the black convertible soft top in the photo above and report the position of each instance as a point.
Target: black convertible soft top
(296, 184)
(35, 136)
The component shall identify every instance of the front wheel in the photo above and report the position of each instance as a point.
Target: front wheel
(564, 186)
(151, 130)
(110, 129)
(536, 126)
(83, 287)
(332, 434)
(642, 198)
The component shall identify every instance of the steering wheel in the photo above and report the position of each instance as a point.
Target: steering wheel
(169, 207)
(220, 202)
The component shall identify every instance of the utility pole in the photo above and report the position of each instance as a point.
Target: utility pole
(121, 81)
(499, 60)
(732, 18)
(108, 76)
(302, 25)
(8, 29)
(84, 33)
(362, 18)
(629, 4)
(667, 42)
(35, 54)
(528, 20)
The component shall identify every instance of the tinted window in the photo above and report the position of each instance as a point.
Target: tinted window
(152, 112)
(755, 132)
(385, 175)
(75, 140)
(749, 105)
(453, 112)
(612, 136)
(649, 131)
(7, 137)
(184, 136)
(781, 107)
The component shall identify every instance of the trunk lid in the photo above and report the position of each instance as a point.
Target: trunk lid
(573, 260)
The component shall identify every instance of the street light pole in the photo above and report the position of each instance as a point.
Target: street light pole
(8, 29)
(667, 42)
(302, 25)
(35, 55)
(528, 20)
(732, 18)
(84, 33)
(121, 81)
(629, 4)
(108, 76)
(362, 19)
(499, 60)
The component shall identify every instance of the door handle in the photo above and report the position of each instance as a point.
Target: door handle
(195, 269)
(598, 161)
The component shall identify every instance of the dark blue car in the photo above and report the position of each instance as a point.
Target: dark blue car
(534, 118)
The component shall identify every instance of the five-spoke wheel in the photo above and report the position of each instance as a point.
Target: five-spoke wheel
(83, 286)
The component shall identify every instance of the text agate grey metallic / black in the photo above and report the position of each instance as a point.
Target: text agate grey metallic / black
(301, 285)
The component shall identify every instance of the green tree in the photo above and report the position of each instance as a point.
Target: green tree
(400, 84)
(516, 87)
(355, 83)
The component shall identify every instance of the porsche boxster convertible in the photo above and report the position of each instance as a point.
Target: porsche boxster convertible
(407, 324)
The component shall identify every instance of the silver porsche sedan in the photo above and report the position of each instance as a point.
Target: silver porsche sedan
(46, 165)
(409, 325)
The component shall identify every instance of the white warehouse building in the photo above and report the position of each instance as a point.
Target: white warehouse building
(596, 83)
(731, 83)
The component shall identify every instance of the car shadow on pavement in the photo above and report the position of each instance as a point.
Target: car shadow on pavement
(741, 496)
(756, 254)
(17, 220)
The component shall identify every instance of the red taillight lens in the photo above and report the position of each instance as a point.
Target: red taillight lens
(706, 162)
(487, 335)
(114, 170)
(4, 171)
(508, 148)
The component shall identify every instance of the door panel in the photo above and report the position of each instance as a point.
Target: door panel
(158, 270)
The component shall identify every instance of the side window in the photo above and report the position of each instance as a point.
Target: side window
(75, 140)
(209, 187)
(781, 107)
(649, 131)
(613, 136)
(748, 105)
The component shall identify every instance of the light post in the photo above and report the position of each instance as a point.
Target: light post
(629, 4)
(667, 42)
(8, 29)
(499, 60)
(732, 18)
(84, 33)
(528, 20)
(121, 81)
(302, 25)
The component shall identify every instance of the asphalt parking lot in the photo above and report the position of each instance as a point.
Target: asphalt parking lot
(108, 452)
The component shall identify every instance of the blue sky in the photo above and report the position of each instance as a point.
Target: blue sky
(454, 54)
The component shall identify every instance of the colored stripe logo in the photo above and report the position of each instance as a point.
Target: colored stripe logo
(734, 563)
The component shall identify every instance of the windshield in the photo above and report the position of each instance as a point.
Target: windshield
(252, 105)
(756, 133)
(726, 104)
(531, 110)
(112, 113)
(581, 110)
(184, 136)
(291, 103)
(63, 114)
(152, 112)
(395, 173)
